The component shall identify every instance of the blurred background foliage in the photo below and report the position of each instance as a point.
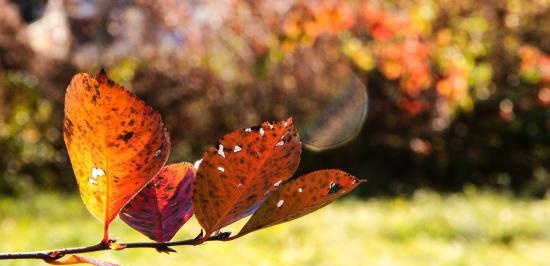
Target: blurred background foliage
(458, 91)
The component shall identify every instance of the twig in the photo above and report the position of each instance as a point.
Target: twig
(50, 255)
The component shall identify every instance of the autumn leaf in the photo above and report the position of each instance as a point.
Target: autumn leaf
(78, 259)
(116, 143)
(237, 174)
(301, 196)
(164, 205)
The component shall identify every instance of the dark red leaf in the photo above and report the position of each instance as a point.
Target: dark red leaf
(164, 205)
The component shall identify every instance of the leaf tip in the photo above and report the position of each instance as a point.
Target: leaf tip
(102, 76)
(289, 120)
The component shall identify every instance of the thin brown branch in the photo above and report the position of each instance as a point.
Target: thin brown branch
(159, 246)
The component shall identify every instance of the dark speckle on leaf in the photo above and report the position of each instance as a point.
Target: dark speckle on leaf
(334, 187)
(126, 136)
(68, 126)
(256, 128)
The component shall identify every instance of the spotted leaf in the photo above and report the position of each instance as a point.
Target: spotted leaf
(78, 259)
(235, 176)
(161, 208)
(116, 143)
(301, 196)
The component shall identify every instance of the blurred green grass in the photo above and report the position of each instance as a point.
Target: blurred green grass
(470, 228)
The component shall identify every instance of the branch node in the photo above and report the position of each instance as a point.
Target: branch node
(200, 235)
(222, 236)
(112, 244)
(165, 249)
(54, 255)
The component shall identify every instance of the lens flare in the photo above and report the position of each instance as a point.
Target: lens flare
(339, 120)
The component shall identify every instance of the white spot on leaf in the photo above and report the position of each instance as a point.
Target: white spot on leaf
(157, 154)
(262, 132)
(280, 143)
(237, 148)
(270, 125)
(92, 181)
(278, 183)
(300, 190)
(97, 172)
(280, 203)
(247, 129)
(221, 169)
(197, 164)
(220, 151)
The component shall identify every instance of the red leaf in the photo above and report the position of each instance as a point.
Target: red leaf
(164, 205)
(301, 196)
(77, 259)
(116, 143)
(235, 176)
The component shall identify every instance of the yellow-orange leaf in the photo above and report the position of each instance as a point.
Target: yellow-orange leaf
(301, 196)
(78, 259)
(116, 143)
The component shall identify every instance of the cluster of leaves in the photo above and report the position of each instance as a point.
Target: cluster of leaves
(448, 82)
(118, 146)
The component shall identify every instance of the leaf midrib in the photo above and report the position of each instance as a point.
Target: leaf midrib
(237, 196)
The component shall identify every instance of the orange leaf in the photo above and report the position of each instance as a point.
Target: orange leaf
(116, 143)
(164, 205)
(77, 259)
(235, 176)
(301, 196)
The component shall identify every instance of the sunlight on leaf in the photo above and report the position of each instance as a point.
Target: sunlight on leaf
(115, 141)
(301, 196)
(237, 174)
